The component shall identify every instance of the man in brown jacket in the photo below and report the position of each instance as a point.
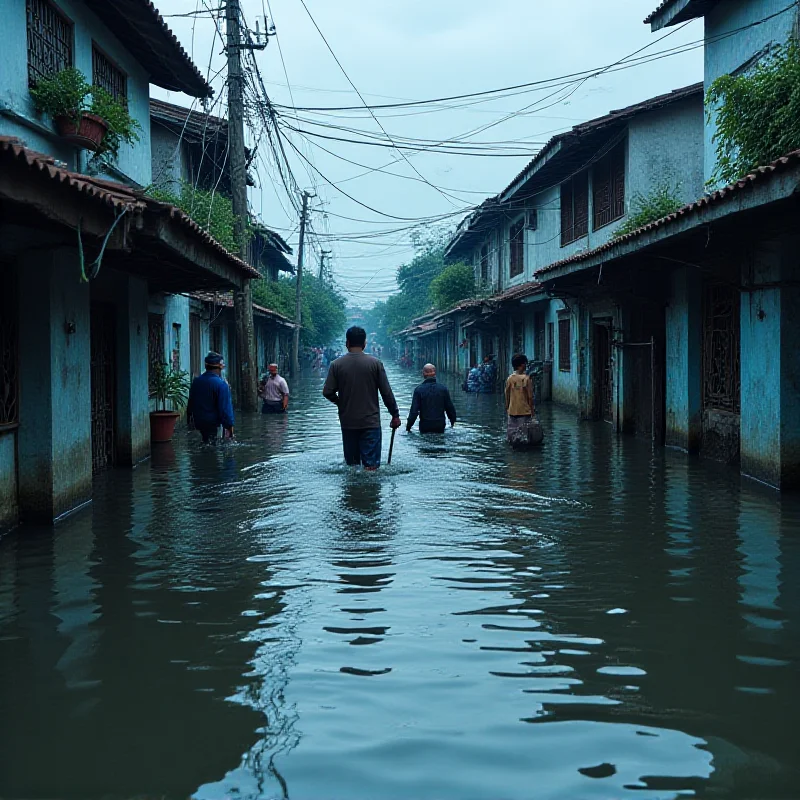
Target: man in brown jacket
(353, 384)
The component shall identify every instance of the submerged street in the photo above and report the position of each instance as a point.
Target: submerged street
(255, 620)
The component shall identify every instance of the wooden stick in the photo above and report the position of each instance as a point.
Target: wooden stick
(391, 447)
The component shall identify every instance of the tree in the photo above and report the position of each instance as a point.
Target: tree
(454, 283)
(757, 114)
(324, 316)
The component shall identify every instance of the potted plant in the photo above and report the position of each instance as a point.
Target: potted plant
(169, 386)
(85, 115)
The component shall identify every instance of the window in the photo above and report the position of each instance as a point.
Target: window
(9, 353)
(109, 76)
(176, 346)
(155, 345)
(50, 40)
(532, 219)
(564, 345)
(575, 208)
(608, 181)
(551, 344)
(538, 335)
(484, 262)
(516, 235)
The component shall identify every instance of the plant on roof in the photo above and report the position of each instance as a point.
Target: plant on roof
(757, 114)
(68, 95)
(659, 203)
(211, 210)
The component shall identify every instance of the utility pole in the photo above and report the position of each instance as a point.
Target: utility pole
(298, 303)
(242, 298)
(322, 255)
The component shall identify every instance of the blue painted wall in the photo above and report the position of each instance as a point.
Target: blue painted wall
(17, 114)
(9, 509)
(735, 53)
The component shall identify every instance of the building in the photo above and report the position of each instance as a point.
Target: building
(82, 251)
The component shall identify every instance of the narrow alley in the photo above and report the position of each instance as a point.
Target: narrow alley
(594, 619)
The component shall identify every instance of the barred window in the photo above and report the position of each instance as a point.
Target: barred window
(608, 180)
(551, 344)
(517, 237)
(721, 348)
(564, 345)
(107, 75)
(50, 40)
(574, 208)
(155, 345)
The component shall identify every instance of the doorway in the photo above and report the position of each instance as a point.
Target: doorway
(603, 372)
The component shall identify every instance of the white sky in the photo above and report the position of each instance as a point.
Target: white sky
(415, 50)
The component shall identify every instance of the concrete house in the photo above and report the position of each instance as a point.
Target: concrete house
(570, 199)
(189, 147)
(724, 371)
(81, 254)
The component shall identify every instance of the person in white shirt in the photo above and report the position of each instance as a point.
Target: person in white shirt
(274, 391)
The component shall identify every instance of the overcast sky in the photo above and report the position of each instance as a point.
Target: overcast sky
(415, 50)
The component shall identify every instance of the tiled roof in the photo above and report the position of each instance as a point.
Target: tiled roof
(139, 26)
(517, 292)
(115, 195)
(759, 175)
(195, 125)
(225, 299)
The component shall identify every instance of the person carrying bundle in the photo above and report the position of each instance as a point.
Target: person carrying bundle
(523, 429)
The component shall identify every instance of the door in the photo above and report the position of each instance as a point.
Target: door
(195, 356)
(102, 382)
(603, 371)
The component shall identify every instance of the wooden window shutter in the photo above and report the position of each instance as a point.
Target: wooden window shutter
(567, 219)
(618, 182)
(581, 192)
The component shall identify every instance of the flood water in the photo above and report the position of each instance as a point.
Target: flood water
(591, 620)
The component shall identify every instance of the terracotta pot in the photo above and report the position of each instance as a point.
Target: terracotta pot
(162, 425)
(88, 134)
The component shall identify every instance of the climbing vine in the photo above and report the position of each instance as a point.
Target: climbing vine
(661, 202)
(757, 114)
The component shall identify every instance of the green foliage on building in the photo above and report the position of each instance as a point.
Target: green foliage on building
(757, 114)
(660, 203)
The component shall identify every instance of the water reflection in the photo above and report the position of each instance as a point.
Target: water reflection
(592, 619)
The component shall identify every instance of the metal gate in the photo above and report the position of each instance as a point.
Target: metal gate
(102, 368)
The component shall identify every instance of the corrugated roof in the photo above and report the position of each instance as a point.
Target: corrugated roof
(722, 195)
(140, 27)
(115, 195)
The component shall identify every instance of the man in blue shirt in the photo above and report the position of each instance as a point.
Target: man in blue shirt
(431, 402)
(210, 401)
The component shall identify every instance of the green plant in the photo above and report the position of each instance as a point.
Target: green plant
(122, 127)
(211, 210)
(757, 114)
(456, 282)
(69, 94)
(169, 385)
(660, 203)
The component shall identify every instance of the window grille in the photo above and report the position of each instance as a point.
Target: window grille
(721, 378)
(485, 265)
(551, 344)
(109, 76)
(575, 208)
(9, 353)
(155, 345)
(564, 345)
(608, 179)
(176, 346)
(50, 40)
(517, 238)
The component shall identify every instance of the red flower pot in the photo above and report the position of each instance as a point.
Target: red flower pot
(162, 425)
(88, 133)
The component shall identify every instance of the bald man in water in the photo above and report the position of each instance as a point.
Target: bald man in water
(431, 402)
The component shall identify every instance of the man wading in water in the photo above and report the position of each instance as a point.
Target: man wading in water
(430, 403)
(353, 383)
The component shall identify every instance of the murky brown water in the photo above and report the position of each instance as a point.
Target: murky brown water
(256, 621)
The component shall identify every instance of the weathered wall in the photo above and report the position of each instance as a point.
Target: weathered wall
(665, 147)
(684, 343)
(9, 510)
(740, 51)
(168, 159)
(17, 114)
(55, 463)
